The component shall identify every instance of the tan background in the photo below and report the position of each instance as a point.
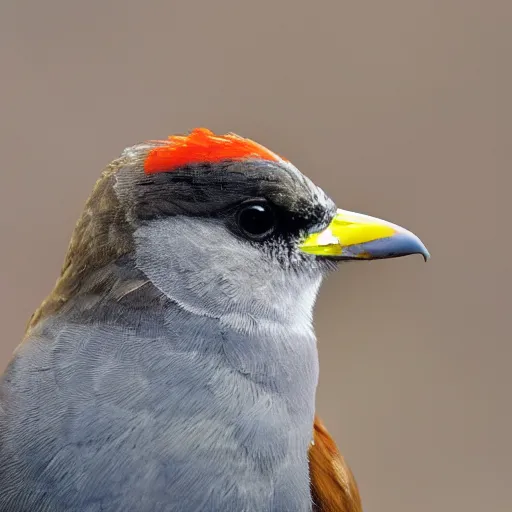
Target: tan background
(396, 108)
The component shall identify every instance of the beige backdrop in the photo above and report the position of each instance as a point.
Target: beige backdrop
(396, 108)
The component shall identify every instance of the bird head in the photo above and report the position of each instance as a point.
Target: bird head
(222, 225)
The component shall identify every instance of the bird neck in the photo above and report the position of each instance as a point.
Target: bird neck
(229, 396)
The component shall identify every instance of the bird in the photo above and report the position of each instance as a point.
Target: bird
(174, 365)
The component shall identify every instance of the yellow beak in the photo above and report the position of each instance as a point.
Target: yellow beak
(355, 236)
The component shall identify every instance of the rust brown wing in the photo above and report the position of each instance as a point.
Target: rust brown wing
(333, 486)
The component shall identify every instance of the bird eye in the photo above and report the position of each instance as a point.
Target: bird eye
(256, 220)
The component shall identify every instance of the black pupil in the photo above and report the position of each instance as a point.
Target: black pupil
(257, 220)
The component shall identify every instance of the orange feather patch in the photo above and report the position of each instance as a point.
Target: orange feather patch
(203, 146)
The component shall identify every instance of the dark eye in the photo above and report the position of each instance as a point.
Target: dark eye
(256, 220)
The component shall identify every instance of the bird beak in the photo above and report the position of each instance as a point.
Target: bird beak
(353, 236)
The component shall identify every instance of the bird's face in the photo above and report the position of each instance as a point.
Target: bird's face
(224, 226)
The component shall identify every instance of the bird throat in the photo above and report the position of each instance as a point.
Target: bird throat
(229, 399)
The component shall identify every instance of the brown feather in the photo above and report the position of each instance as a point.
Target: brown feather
(333, 486)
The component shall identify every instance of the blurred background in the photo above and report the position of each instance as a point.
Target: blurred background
(398, 109)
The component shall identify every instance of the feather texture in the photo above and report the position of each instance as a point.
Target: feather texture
(333, 486)
(203, 146)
